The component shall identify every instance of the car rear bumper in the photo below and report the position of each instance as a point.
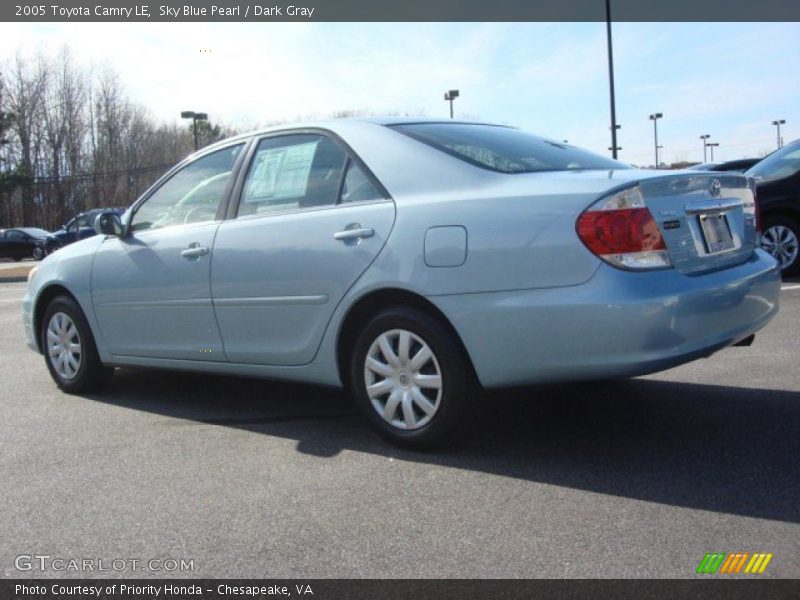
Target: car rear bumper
(618, 324)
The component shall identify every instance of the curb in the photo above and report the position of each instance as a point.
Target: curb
(13, 279)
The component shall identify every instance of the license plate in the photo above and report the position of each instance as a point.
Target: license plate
(717, 233)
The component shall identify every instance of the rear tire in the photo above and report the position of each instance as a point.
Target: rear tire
(410, 378)
(780, 236)
(69, 348)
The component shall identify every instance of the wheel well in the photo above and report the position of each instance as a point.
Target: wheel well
(365, 308)
(45, 297)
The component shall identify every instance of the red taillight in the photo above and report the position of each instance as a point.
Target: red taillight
(620, 229)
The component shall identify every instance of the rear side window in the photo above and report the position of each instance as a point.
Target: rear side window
(505, 149)
(357, 187)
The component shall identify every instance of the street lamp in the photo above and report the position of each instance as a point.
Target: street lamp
(195, 117)
(778, 124)
(712, 146)
(654, 118)
(705, 144)
(450, 96)
(614, 148)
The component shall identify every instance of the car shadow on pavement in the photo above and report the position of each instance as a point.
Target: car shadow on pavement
(726, 449)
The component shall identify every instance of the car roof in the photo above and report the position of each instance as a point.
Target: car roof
(340, 125)
(28, 230)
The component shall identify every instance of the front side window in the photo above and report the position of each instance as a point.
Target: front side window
(505, 149)
(292, 171)
(192, 195)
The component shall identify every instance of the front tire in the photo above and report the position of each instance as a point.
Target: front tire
(69, 348)
(779, 237)
(50, 247)
(411, 379)
(38, 253)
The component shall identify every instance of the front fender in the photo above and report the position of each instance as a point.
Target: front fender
(67, 271)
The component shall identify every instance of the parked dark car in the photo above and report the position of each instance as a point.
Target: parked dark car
(778, 187)
(734, 166)
(77, 228)
(22, 242)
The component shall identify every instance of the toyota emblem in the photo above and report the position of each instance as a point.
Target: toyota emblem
(715, 188)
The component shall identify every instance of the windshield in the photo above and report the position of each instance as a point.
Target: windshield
(781, 163)
(505, 149)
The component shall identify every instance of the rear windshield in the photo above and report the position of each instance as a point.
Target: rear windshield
(505, 149)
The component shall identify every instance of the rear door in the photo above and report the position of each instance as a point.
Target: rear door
(310, 220)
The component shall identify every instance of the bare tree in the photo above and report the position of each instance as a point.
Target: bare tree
(27, 81)
(76, 140)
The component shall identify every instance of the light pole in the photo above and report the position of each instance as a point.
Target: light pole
(615, 148)
(778, 124)
(614, 125)
(712, 146)
(654, 118)
(705, 144)
(195, 117)
(450, 96)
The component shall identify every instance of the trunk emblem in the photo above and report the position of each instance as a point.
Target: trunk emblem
(715, 188)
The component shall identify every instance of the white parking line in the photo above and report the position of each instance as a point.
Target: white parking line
(791, 286)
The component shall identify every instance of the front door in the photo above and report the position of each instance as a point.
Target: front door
(150, 288)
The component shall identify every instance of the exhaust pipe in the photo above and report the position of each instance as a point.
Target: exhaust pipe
(748, 341)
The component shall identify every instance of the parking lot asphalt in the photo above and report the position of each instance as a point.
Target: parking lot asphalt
(252, 478)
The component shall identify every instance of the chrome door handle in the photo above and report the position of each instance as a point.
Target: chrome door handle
(352, 234)
(194, 250)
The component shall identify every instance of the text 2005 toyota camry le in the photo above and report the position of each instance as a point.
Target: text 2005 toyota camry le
(412, 261)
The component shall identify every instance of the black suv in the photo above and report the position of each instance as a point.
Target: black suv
(77, 228)
(778, 186)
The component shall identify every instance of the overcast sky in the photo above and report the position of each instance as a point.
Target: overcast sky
(727, 80)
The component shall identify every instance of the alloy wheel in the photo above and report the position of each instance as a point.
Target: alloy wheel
(781, 242)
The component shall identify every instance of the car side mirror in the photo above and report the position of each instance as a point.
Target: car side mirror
(108, 224)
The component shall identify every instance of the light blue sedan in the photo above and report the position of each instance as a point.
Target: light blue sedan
(412, 261)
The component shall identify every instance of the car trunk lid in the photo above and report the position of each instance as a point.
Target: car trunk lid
(708, 221)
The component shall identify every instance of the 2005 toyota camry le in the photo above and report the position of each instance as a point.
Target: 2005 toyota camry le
(413, 262)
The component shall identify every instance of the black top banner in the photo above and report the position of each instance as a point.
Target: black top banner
(407, 10)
